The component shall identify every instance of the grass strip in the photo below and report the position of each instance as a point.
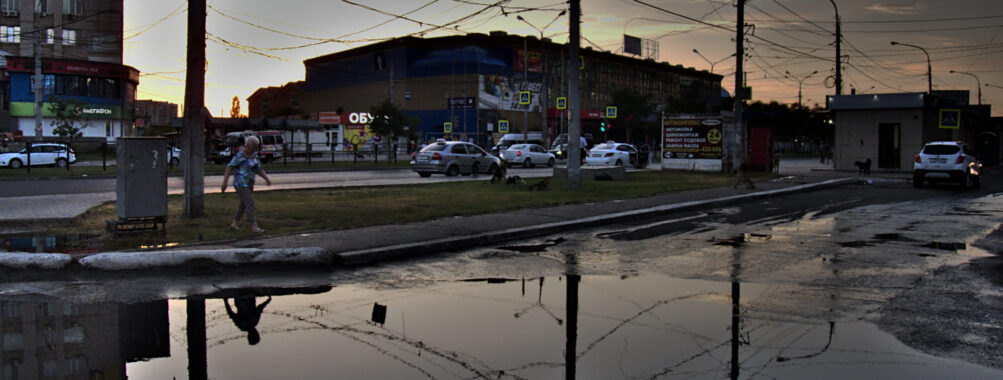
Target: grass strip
(294, 211)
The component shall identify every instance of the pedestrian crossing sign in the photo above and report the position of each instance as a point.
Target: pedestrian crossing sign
(503, 126)
(950, 118)
(562, 103)
(611, 112)
(447, 127)
(523, 97)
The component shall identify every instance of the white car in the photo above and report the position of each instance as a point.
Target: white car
(529, 155)
(612, 153)
(41, 154)
(947, 161)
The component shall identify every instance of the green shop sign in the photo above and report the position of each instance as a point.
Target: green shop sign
(87, 111)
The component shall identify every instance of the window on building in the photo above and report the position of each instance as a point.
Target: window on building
(10, 7)
(73, 7)
(48, 84)
(50, 36)
(264, 107)
(43, 6)
(294, 102)
(10, 309)
(69, 37)
(11, 34)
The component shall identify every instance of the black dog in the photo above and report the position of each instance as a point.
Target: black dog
(863, 167)
(514, 180)
(499, 174)
(540, 186)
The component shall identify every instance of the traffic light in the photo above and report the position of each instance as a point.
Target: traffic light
(602, 126)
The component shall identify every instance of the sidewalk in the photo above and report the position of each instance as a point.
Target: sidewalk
(368, 244)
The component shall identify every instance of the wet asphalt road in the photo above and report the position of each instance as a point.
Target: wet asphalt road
(858, 281)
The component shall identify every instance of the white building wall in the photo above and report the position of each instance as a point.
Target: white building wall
(857, 136)
(93, 128)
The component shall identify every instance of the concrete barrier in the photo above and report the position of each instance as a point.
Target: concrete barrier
(594, 172)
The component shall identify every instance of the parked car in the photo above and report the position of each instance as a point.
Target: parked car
(516, 138)
(529, 155)
(612, 153)
(947, 161)
(452, 158)
(173, 155)
(41, 154)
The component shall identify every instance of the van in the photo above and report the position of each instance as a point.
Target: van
(516, 138)
(271, 145)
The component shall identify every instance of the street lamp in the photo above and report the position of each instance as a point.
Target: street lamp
(787, 74)
(545, 95)
(712, 63)
(977, 82)
(929, 67)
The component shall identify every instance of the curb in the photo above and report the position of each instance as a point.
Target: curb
(369, 255)
(131, 260)
(116, 261)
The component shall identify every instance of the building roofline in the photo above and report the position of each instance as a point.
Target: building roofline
(501, 39)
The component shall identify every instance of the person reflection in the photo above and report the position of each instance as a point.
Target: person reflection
(247, 316)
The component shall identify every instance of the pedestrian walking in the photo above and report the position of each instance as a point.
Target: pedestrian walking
(246, 164)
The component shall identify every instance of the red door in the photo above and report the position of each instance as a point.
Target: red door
(761, 150)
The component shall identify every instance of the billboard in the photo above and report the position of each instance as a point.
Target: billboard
(693, 138)
(498, 92)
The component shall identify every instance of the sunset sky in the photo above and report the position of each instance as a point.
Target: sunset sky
(252, 43)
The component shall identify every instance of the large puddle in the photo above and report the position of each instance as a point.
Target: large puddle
(586, 327)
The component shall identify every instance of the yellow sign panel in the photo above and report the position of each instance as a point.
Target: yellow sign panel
(503, 126)
(611, 112)
(562, 103)
(524, 97)
(714, 136)
(447, 127)
(950, 118)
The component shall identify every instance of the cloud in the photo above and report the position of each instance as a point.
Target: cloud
(898, 8)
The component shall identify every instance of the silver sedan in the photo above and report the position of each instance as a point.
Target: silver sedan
(529, 155)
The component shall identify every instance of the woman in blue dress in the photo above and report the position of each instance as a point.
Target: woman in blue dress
(246, 164)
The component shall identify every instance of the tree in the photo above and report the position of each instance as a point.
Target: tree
(632, 109)
(390, 121)
(235, 107)
(68, 115)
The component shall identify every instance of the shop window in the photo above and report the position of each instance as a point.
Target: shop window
(10, 34)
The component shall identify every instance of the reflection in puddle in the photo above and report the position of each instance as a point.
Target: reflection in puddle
(71, 244)
(595, 327)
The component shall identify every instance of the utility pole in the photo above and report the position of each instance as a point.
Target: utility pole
(193, 149)
(739, 137)
(574, 108)
(525, 87)
(839, 58)
(38, 72)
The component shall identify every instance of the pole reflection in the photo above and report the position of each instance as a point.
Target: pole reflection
(198, 366)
